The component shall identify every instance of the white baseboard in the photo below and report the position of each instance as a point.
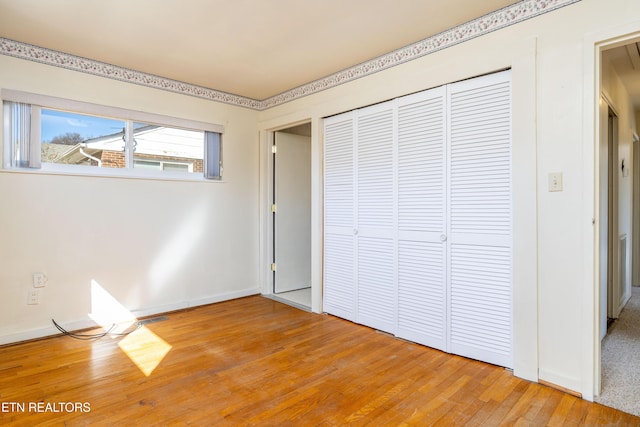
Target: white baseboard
(225, 297)
(88, 323)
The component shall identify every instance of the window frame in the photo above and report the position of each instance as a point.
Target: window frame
(38, 102)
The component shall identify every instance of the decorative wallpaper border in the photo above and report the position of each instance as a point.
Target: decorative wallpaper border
(497, 20)
(510, 15)
(97, 68)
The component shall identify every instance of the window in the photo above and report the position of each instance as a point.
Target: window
(67, 136)
(80, 139)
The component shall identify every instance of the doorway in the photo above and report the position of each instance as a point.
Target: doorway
(619, 92)
(291, 216)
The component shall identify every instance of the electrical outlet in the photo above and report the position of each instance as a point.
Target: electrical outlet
(33, 297)
(39, 280)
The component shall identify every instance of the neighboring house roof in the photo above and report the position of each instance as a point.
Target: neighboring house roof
(53, 152)
(150, 140)
(155, 140)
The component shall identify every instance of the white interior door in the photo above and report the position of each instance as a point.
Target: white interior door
(375, 213)
(339, 291)
(422, 303)
(479, 238)
(292, 234)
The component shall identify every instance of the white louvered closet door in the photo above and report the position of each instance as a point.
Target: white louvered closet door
(480, 218)
(375, 213)
(339, 206)
(421, 218)
(418, 218)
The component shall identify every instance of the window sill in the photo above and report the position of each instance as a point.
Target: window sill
(114, 173)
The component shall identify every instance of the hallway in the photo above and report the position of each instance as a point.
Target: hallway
(620, 364)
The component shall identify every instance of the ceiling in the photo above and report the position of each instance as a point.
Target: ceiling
(252, 48)
(626, 61)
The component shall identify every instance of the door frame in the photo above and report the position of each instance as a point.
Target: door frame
(266, 139)
(608, 223)
(613, 255)
(593, 46)
(635, 226)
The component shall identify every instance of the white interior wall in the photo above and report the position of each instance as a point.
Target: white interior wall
(153, 245)
(553, 231)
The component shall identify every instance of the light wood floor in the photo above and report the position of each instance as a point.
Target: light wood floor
(255, 361)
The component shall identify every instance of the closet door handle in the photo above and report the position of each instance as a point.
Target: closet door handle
(443, 237)
(355, 231)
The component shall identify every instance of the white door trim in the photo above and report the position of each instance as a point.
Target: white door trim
(593, 44)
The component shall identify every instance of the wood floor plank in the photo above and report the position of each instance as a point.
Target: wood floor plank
(254, 361)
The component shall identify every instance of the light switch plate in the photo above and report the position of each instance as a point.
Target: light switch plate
(555, 181)
(39, 280)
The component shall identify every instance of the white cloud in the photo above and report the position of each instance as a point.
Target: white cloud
(78, 123)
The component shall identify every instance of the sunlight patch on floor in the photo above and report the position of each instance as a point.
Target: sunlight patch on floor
(145, 349)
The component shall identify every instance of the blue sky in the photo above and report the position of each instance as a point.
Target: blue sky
(56, 123)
